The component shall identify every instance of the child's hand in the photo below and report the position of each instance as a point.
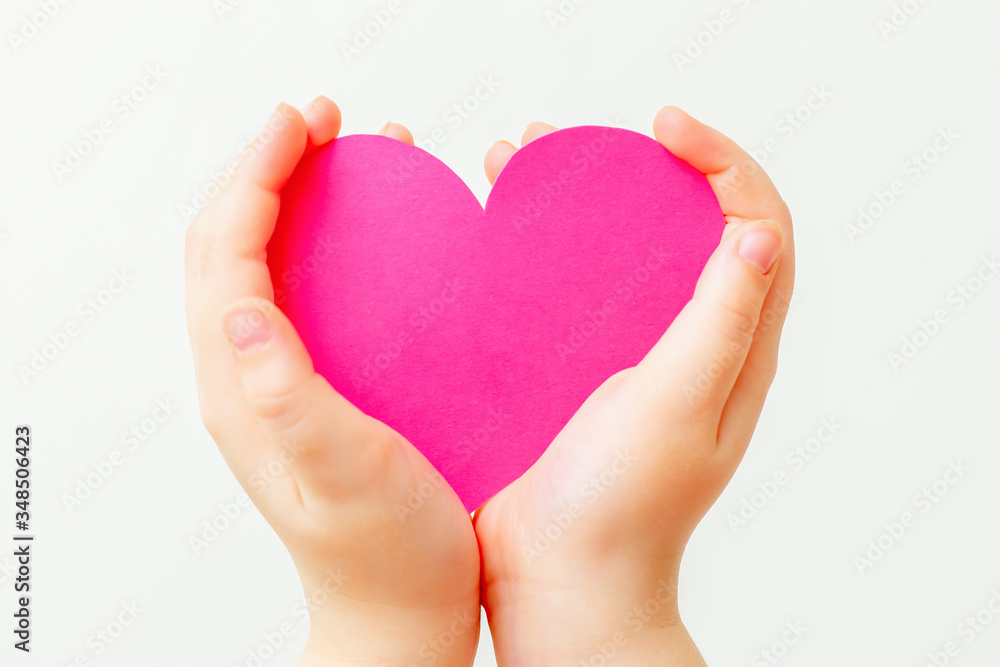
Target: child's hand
(385, 586)
(581, 554)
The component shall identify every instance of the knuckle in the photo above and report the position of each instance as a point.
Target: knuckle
(378, 449)
(212, 420)
(286, 410)
(736, 319)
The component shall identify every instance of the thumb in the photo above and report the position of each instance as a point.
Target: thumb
(295, 406)
(698, 359)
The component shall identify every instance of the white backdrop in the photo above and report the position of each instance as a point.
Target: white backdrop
(859, 107)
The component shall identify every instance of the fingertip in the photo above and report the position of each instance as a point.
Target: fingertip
(535, 130)
(270, 356)
(285, 117)
(286, 110)
(761, 245)
(277, 148)
(397, 131)
(321, 101)
(496, 158)
(704, 148)
(671, 117)
(323, 121)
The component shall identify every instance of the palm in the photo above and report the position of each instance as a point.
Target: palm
(418, 543)
(386, 552)
(609, 473)
(597, 527)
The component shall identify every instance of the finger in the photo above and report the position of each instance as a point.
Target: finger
(257, 173)
(744, 192)
(239, 222)
(235, 229)
(500, 153)
(496, 157)
(323, 121)
(225, 261)
(746, 401)
(740, 184)
(695, 364)
(397, 131)
(319, 430)
(535, 130)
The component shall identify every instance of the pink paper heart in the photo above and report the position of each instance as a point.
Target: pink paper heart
(477, 335)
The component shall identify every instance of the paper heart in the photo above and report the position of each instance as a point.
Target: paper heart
(477, 335)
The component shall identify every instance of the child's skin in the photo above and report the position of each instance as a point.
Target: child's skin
(409, 592)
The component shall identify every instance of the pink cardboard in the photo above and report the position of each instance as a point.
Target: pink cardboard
(477, 334)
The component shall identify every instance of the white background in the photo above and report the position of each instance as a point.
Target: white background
(856, 298)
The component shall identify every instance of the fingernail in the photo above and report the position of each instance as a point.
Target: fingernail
(385, 128)
(247, 328)
(277, 120)
(278, 111)
(761, 245)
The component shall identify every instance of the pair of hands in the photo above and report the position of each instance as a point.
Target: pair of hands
(577, 561)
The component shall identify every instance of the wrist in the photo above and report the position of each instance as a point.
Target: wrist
(599, 626)
(665, 647)
(669, 646)
(393, 636)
